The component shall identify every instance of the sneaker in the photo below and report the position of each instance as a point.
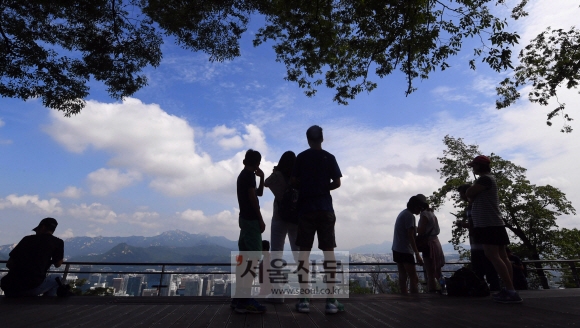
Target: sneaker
(303, 305)
(508, 298)
(502, 291)
(250, 306)
(333, 306)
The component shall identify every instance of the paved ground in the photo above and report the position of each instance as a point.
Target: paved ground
(548, 308)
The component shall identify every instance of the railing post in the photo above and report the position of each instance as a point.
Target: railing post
(66, 267)
(161, 280)
(575, 274)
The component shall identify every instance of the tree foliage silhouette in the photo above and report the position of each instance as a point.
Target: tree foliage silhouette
(51, 49)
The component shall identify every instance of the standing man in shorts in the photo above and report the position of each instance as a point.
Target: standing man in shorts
(488, 226)
(404, 248)
(251, 227)
(315, 174)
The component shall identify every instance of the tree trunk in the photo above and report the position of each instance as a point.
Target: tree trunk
(541, 273)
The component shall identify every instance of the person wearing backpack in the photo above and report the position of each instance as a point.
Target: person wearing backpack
(284, 217)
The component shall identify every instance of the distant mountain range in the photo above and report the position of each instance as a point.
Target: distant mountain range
(81, 246)
(382, 248)
(386, 246)
(127, 253)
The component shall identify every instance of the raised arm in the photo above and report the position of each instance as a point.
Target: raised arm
(260, 190)
(256, 207)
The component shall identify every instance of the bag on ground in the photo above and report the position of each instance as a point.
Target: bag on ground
(465, 282)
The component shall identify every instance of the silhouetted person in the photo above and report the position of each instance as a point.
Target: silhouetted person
(488, 226)
(404, 246)
(520, 273)
(278, 183)
(316, 173)
(433, 256)
(251, 228)
(30, 260)
(479, 262)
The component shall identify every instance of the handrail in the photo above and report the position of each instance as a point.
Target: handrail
(164, 266)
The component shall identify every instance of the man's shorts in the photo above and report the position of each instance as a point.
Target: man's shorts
(320, 223)
(496, 235)
(403, 258)
(250, 236)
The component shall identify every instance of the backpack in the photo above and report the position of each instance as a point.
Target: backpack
(465, 282)
(288, 205)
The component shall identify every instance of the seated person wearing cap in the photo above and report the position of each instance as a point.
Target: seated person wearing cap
(30, 260)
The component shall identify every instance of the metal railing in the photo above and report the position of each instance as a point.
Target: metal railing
(67, 268)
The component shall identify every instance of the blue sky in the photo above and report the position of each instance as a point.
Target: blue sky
(167, 157)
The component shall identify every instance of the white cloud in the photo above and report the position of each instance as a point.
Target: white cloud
(70, 192)
(94, 212)
(446, 93)
(254, 138)
(221, 131)
(545, 13)
(234, 142)
(224, 223)
(254, 85)
(147, 220)
(382, 167)
(68, 233)
(198, 68)
(143, 139)
(486, 85)
(4, 141)
(230, 138)
(104, 181)
(94, 233)
(31, 203)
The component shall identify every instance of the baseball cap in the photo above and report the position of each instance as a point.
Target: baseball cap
(50, 223)
(480, 159)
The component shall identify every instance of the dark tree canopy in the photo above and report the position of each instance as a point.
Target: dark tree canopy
(339, 43)
(52, 48)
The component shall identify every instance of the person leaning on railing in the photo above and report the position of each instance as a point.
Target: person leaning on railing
(30, 260)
